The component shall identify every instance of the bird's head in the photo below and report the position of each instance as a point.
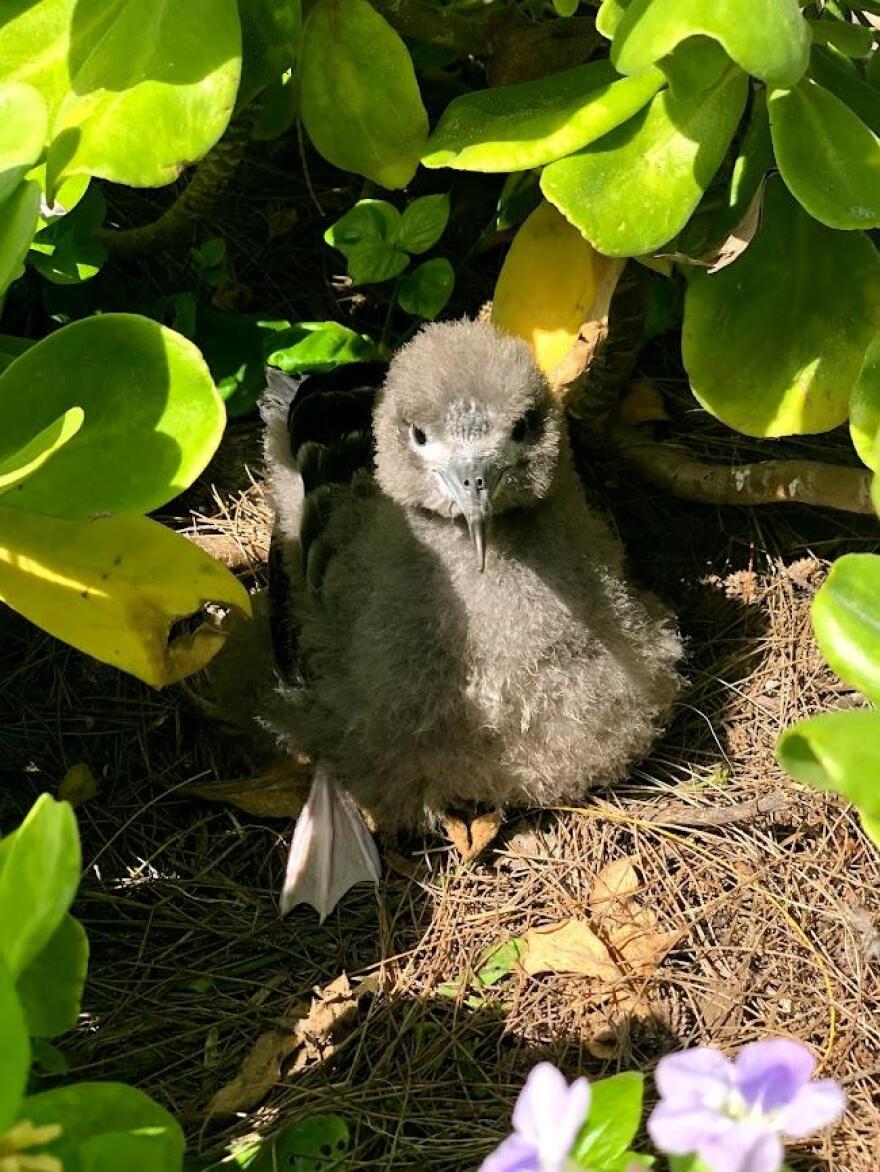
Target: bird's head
(466, 426)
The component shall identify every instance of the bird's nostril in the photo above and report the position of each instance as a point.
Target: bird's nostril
(467, 484)
(481, 482)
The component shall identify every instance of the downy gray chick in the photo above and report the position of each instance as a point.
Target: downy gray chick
(451, 616)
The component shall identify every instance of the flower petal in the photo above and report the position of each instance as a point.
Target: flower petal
(559, 1135)
(679, 1131)
(513, 1155)
(769, 1074)
(745, 1148)
(813, 1107)
(701, 1077)
(541, 1103)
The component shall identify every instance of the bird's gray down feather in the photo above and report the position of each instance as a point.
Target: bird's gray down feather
(422, 683)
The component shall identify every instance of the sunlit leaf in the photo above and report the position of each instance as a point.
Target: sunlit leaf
(64, 251)
(318, 1143)
(23, 125)
(313, 347)
(635, 189)
(566, 7)
(515, 127)
(614, 1119)
(107, 1126)
(846, 621)
(772, 44)
(368, 236)
(126, 106)
(359, 97)
(51, 986)
(38, 879)
(809, 123)
(18, 222)
(424, 222)
(838, 751)
(32, 455)
(695, 65)
(270, 33)
(847, 85)
(853, 40)
(864, 408)
(774, 343)
(152, 416)
(425, 291)
(15, 1052)
(113, 587)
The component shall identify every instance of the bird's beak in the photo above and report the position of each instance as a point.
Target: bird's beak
(471, 484)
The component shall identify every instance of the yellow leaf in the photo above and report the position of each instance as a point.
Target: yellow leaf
(113, 587)
(78, 785)
(567, 947)
(33, 455)
(553, 284)
(279, 792)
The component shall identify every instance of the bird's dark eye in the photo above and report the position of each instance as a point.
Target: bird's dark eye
(525, 425)
(418, 436)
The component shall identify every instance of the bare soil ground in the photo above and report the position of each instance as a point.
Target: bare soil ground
(771, 889)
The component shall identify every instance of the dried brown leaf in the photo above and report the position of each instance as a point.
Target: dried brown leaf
(471, 838)
(629, 929)
(260, 1071)
(78, 785)
(568, 947)
(643, 403)
(616, 881)
(279, 792)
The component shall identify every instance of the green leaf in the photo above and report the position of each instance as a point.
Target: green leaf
(828, 157)
(864, 408)
(11, 347)
(838, 751)
(614, 1119)
(872, 73)
(516, 127)
(772, 44)
(107, 1126)
(424, 222)
(24, 122)
(38, 880)
(425, 291)
(232, 345)
(846, 85)
(51, 986)
(32, 456)
(65, 251)
(313, 347)
(774, 343)
(846, 621)
(319, 1143)
(49, 1057)
(853, 40)
(609, 17)
(695, 65)
(278, 109)
(359, 98)
(566, 7)
(132, 108)
(270, 34)
(499, 962)
(152, 416)
(15, 1051)
(367, 236)
(632, 191)
(18, 222)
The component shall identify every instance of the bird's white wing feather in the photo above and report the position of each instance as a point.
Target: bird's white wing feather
(331, 850)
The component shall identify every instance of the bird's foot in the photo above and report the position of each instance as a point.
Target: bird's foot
(331, 850)
(471, 836)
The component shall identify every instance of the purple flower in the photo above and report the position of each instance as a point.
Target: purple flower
(546, 1120)
(735, 1115)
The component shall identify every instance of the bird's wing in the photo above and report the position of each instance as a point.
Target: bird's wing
(318, 438)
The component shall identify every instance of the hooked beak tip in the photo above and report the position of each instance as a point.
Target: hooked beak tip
(477, 527)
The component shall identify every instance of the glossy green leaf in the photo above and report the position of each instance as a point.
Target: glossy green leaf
(774, 343)
(24, 122)
(853, 40)
(319, 1143)
(615, 1117)
(48, 1058)
(65, 251)
(278, 109)
(15, 1050)
(50, 988)
(846, 85)
(31, 456)
(38, 880)
(153, 418)
(424, 222)
(270, 34)
(106, 1126)
(772, 44)
(846, 621)
(864, 409)
(632, 191)
(67, 197)
(566, 7)
(609, 16)
(838, 751)
(499, 962)
(10, 348)
(368, 237)
(695, 65)
(313, 347)
(18, 223)
(828, 157)
(359, 97)
(126, 106)
(425, 291)
(516, 127)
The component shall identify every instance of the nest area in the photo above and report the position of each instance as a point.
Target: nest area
(771, 888)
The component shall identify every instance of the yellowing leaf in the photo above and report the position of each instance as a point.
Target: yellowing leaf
(616, 881)
(113, 587)
(78, 785)
(553, 283)
(567, 947)
(279, 792)
(33, 454)
(260, 1071)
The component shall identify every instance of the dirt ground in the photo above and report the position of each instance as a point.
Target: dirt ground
(770, 891)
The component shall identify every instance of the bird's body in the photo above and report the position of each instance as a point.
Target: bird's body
(418, 680)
